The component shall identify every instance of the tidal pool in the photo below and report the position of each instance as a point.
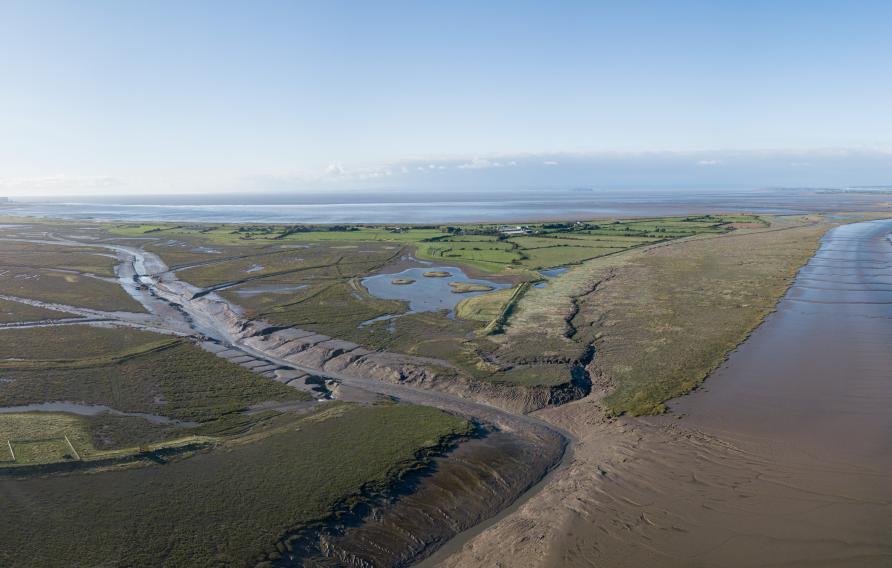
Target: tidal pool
(89, 410)
(426, 294)
(267, 289)
(550, 273)
(554, 272)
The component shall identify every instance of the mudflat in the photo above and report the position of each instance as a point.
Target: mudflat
(781, 458)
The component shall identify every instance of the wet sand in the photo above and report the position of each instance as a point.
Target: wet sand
(782, 459)
(475, 480)
(817, 375)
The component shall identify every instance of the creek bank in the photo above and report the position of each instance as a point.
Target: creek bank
(314, 353)
(459, 487)
(470, 484)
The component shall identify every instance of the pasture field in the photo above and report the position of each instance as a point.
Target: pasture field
(235, 505)
(44, 437)
(480, 247)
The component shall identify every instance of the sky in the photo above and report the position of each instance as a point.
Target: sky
(194, 96)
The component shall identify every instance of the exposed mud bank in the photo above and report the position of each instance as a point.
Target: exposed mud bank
(455, 491)
(312, 352)
(781, 459)
(316, 352)
(473, 482)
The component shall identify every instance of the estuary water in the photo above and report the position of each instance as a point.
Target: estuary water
(419, 207)
(818, 373)
(793, 463)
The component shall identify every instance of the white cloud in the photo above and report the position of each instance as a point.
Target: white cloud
(709, 162)
(479, 164)
(551, 163)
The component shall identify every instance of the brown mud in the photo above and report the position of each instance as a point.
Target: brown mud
(473, 482)
(783, 458)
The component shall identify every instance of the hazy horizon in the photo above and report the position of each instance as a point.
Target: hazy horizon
(215, 97)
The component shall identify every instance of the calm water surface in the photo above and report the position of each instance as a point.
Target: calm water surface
(426, 294)
(439, 206)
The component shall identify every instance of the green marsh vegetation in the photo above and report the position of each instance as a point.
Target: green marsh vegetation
(231, 506)
(55, 287)
(662, 318)
(146, 373)
(259, 476)
(71, 275)
(11, 312)
(327, 262)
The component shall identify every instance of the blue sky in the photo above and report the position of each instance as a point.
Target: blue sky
(223, 96)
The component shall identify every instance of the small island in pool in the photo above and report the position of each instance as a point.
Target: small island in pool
(437, 274)
(402, 281)
(465, 287)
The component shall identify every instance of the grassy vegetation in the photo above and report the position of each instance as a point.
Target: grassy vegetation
(125, 369)
(260, 474)
(17, 312)
(41, 438)
(41, 255)
(129, 371)
(693, 303)
(663, 318)
(176, 380)
(335, 309)
(326, 261)
(477, 246)
(77, 342)
(465, 287)
(228, 507)
(52, 286)
(485, 307)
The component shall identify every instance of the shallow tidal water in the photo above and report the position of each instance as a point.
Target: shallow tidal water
(425, 294)
(803, 410)
(818, 373)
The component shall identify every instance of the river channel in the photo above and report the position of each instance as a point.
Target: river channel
(790, 460)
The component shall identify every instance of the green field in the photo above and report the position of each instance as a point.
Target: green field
(480, 247)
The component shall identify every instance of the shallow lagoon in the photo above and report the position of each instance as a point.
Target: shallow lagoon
(426, 294)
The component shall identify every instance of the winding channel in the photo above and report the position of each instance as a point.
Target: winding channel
(179, 308)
